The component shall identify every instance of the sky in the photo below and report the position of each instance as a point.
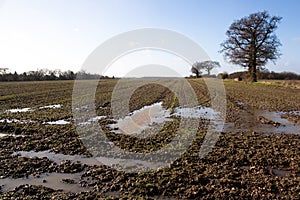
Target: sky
(61, 34)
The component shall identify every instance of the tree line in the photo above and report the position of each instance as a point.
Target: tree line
(265, 74)
(47, 75)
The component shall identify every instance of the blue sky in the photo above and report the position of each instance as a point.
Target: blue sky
(60, 34)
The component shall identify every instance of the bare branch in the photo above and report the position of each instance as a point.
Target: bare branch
(251, 41)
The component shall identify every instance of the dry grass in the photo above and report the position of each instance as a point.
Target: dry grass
(286, 83)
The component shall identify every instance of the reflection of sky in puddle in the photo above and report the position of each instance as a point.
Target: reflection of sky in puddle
(292, 112)
(58, 158)
(54, 180)
(274, 116)
(58, 122)
(16, 121)
(286, 126)
(13, 135)
(19, 110)
(153, 116)
(196, 112)
(142, 119)
(249, 122)
(94, 119)
(51, 106)
(16, 110)
(51, 180)
(9, 120)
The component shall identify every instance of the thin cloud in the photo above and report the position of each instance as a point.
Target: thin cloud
(286, 64)
(296, 40)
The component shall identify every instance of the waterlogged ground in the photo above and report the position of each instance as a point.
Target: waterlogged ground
(43, 156)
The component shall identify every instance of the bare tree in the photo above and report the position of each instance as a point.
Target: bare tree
(196, 69)
(251, 42)
(205, 65)
(209, 65)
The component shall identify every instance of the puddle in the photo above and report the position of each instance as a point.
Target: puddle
(293, 112)
(270, 122)
(4, 135)
(50, 180)
(16, 110)
(274, 116)
(142, 119)
(94, 119)
(286, 126)
(58, 158)
(241, 105)
(58, 122)
(275, 172)
(100, 160)
(248, 121)
(281, 173)
(11, 135)
(19, 110)
(196, 112)
(51, 106)
(9, 120)
(16, 121)
(141, 123)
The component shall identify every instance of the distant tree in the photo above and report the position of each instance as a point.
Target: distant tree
(205, 65)
(251, 42)
(196, 69)
(70, 75)
(15, 76)
(3, 70)
(209, 65)
(223, 75)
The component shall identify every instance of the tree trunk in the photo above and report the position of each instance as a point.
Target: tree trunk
(252, 68)
(253, 74)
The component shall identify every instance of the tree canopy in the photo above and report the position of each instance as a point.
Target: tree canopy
(205, 65)
(251, 42)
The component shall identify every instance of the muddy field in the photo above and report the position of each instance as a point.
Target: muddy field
(44, 157)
